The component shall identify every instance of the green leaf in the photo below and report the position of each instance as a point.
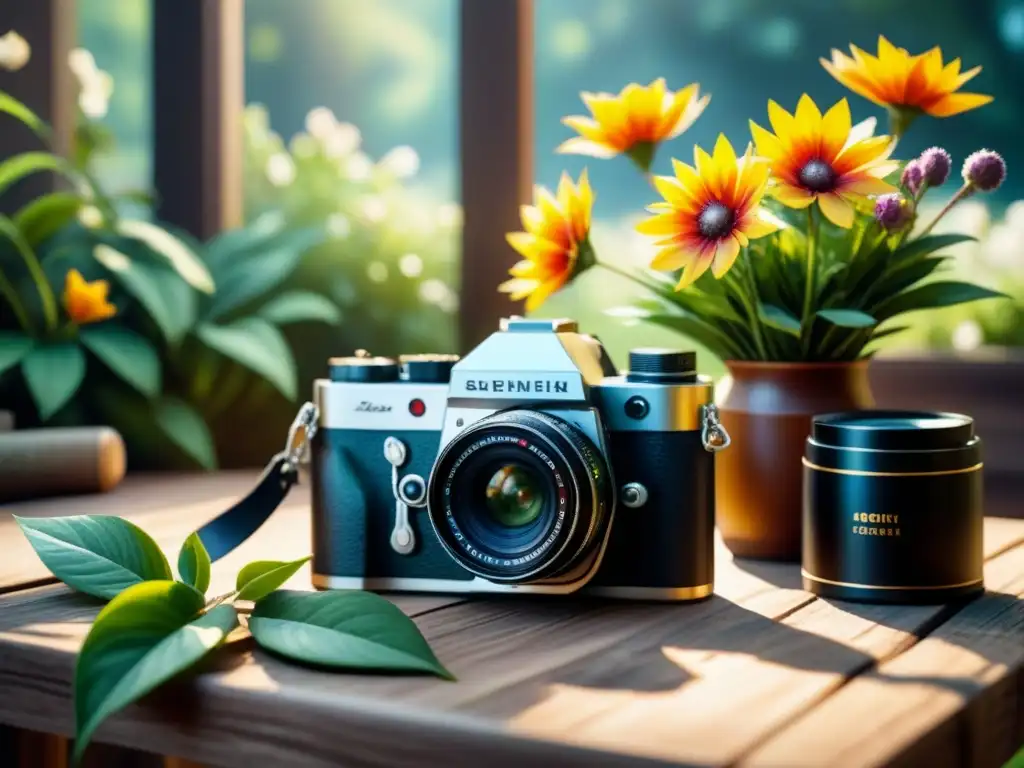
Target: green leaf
(187, 430)
(847, 318)
(14, 169)
(95, 554)
(259, 579)
(162, 292)
(13, 348)
(194, 563)
(240, 281)
(944, 293)
(889, 332)
(300, 306)
(924, 246)
(53, 374)
(901, 278)
(144, 637)
(45, 216)
(127, 354)
(780, 319)
(257, 345)
(46, 298)
(173, 249)
(14, 108)
(344, 630)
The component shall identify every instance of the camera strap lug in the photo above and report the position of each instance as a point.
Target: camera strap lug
(232, 527)
(712, 434)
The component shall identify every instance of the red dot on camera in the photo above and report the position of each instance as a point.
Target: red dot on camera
(417, 407)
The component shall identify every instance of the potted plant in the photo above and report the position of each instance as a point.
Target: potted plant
(789, 261)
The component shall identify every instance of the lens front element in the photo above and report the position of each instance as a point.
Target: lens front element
(520, 497)
(514, 496)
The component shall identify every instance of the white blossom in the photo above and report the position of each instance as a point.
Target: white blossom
(967, 336)
(95, 87)
(373, 208)
(320, 122)
(342, 141)
(410, 265)
(358, 167)
(89, 216)
(280, 169)
(402, 162)
(14, 51)
(449, 215)
(377, 271)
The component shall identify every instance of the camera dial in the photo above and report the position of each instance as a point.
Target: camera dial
(363, 368)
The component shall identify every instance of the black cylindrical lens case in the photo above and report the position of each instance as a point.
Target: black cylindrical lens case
(892, 507)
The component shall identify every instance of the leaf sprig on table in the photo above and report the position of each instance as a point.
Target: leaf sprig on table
(155, 627)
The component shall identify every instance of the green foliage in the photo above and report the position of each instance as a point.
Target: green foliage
(194, 563)
(97, 555)
(864, 278)
(154, 628)
(259, 579)
(145, 636)
(351, 630)
(53, 373)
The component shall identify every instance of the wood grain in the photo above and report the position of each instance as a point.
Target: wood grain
(571, 682)
(967, 674)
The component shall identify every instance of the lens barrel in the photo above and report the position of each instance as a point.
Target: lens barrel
(549, 468)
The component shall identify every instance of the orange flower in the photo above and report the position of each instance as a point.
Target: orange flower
(634, 122)
(823, 158)
(556, 241)
(906, 84)
(86, 302)
(710, 212)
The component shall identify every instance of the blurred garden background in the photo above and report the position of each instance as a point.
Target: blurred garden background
(351, 137)
(369, 87)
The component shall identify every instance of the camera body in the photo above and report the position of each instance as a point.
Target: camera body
(530, 465)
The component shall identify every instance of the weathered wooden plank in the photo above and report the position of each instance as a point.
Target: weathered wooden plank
(570, 682)
(956, 698)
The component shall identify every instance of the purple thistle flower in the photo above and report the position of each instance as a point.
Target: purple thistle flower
(893, 211)
(935, 166)
(984, 170)
(912, 176)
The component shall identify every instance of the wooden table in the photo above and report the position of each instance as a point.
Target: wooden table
(762, 674)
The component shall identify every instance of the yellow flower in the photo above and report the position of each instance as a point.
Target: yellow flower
(823, 158)
(904, 83)
(710, 212)
(555, 244)
(634, 122)
(86, 302)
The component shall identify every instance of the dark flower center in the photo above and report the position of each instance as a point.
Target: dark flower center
(716, 220)
(817, 176)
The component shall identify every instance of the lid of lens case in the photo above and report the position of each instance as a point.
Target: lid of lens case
(362, 367)
(892, 430)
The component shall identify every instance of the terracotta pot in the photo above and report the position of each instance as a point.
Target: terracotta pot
(767, 410)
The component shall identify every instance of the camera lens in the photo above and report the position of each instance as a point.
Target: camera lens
(514, 496)
(520, 497)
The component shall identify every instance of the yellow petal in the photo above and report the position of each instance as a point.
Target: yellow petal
(585, 127)
(836, 209)
(792, 197)
(835, 128)
(671, 258)
(725, 255)
(518, 288)
(581, 146)
(543, 291)
(695, 266)
(760, 222)
(676, 194)
(533, 247)
(782, 122)
(808, 116)
(768, 145)
(866, 185)
(955, 103)
(663, 224)
(724, 159)
(529, 269)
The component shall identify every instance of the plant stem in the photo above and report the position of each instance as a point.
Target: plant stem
(806, 321)
(16, 306)
(755, 319)
(960, 195)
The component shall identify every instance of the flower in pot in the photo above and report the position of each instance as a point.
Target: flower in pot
(788, 261)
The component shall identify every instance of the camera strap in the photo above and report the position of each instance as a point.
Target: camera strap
(232, 527)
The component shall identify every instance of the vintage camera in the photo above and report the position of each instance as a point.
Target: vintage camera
(529, 465)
